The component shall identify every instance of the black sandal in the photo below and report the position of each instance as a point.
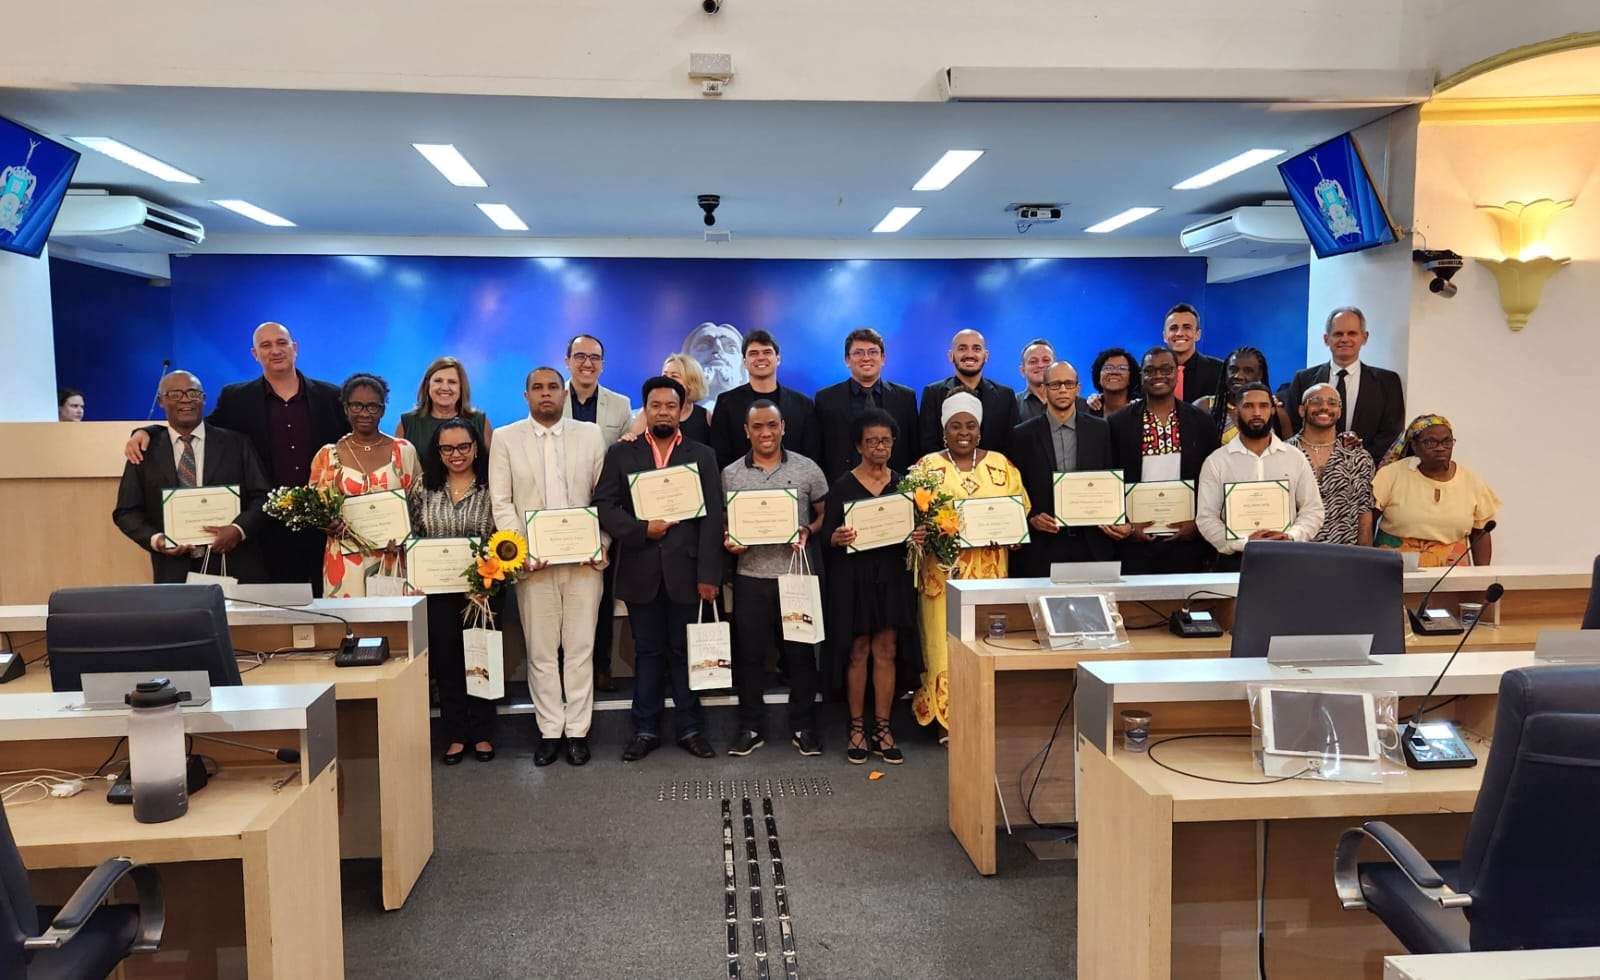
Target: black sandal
(888, 753)
(858, 732)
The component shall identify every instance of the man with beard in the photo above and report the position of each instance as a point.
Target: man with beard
(1344, 469)
(968, 354)
(1257, 455)
(718, 349)
(761, 360)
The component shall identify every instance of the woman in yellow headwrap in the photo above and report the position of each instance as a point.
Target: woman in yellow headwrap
(1431, 504)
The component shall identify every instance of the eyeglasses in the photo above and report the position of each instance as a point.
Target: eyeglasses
(1115, 369)
(873, 441)
(459, 449)
(1160, 372)
(365, 408)
(1060, 385)
(866, 353)
(1432, 443)
(583, 358)
(184, 395)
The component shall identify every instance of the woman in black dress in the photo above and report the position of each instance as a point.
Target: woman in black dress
(870, 593)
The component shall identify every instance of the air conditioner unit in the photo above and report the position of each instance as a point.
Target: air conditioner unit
(98, 221)
(1259, 231)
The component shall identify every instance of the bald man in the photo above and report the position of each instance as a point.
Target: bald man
(1062, 440)
(968, 354)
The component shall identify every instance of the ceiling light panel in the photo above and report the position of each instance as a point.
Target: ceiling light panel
(1116, 221)
(448, 161)
(1227, 168)
(123, 153)
(950, 166)
(896, 219)
(255, 213)
(503, 217)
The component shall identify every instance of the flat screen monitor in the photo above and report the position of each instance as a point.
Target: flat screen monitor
(34, 175)
(1333, 193)
(1300, 588)
(1077, 615)
(127, 628)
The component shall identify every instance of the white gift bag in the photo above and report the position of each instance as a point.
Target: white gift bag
(486, 662)
(710, 652)
(202, 577)
(800, 602)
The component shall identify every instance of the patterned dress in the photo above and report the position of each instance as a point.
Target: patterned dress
(345, 575)
(994, 476)
(1346, 485)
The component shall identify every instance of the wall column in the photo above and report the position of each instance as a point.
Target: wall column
(27, 338)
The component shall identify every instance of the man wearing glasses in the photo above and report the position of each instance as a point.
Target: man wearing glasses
(837, 405)
(190, 453)
(1062, 440)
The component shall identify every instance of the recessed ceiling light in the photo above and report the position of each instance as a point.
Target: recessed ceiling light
(1116, 221)
(255, 214)
(123, 153)
(1227, 168)
(448, 160)
(949, 167)
(896, 219)
(504, 218)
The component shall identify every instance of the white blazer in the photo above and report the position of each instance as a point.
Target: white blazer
(516, 470)
(612, 412)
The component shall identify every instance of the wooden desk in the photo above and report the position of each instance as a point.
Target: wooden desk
(1519, 964)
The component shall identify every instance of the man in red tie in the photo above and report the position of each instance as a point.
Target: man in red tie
(1198, 375)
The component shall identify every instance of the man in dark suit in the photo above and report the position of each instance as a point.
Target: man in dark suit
(761, 360)
(1198, 374)
(190, 453)
(665, 569)
(969, 354)
(1062, 440)
(1161, 439)
(837, 405)
(1374, 400)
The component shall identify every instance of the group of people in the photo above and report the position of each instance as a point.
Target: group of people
(1335, 435)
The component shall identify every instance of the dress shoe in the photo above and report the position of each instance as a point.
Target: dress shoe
(747, 742)
(697, 746)
(639, 747)
(603, 682)
(483, 755)
(453, 758)
(547, 751)
(577, 749)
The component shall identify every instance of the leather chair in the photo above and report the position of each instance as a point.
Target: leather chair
(1526, 877)
(1300, 588)
(85, 939)
(1591, 616)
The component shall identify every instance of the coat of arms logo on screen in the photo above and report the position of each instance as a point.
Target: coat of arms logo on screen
(1334, 205)
(16, 191)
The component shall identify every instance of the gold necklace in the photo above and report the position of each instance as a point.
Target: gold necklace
(366, 448)
(457, 497)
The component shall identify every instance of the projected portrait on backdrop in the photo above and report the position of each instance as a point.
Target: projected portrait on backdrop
(717, 348)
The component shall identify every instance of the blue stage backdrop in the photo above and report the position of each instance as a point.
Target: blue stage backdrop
(502, 316)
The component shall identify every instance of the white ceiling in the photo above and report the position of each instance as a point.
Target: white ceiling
(1565, 73)
(342, 164)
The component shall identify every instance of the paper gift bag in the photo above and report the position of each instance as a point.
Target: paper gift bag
(486, 663)
(202, 577)
(800, 602)
(710, 652)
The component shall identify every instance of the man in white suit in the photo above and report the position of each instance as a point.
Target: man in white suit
(547, 462)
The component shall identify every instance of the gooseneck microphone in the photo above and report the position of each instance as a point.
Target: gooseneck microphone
(155, 402)
(1437, 622)
(1437, 745)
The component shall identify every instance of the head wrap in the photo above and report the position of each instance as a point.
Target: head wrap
(957, 403)
(1403, 446)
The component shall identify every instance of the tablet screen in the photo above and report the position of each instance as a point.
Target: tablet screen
(1320, 722)
(1070, 614)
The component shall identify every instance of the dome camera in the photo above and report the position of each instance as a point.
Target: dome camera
(709, 202)
(1444, 264)
(711, 6)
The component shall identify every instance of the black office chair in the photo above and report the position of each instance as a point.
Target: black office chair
(1297, 588)
(1526, 878)
(85, 939)
(1591, 616)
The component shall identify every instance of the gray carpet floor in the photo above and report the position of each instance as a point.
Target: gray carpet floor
(585, 872)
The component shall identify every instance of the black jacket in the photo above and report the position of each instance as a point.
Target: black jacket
(242, 407)
(691, 552)
(1380, 410)
(728, 416)
(999, 414)
(1034, 453)
(1196, 432)
(834, 411)
(229, 459)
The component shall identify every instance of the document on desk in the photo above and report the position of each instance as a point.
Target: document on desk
(989, 521)
(564, 536)
(1161, 504)
(438, 566)
(380, 516)
(1255, 505)
(1090, 498)
(671, 493)
(187, 511)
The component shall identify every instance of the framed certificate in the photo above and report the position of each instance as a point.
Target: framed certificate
(380, 516)
(671, 493)
(437, 566)
(567, 536)
(1090, 498)
(1161, 504)
(992, 520)
(186, 510)
(1256, 505)
(763, 516)
(880, 521)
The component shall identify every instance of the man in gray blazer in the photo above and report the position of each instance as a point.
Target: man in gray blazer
(547, 462)
(587, 401)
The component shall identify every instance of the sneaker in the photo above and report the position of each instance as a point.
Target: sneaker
(746, 743)
(806, 742)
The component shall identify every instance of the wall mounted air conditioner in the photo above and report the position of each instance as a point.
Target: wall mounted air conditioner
(98, 221)
(1258, 231)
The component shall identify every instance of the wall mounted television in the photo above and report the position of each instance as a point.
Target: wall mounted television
(1333, 193)
(35, 172)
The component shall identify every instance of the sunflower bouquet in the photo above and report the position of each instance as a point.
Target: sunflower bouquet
(311, 509)
(496, 564)
(938, 518)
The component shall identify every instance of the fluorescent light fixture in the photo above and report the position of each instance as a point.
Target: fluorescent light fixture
(448, 160)
(254, 213)
(950, 166)
(1116, 221)
(1227, 168)
(123, 153)
(504, 218)
(896, 219)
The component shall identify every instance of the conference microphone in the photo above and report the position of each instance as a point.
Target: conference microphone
(155, 403)
(1437, 744)
(290, 756)
(1439, 622)
(354, 651)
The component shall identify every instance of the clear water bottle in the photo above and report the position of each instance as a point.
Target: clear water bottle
(156, 759)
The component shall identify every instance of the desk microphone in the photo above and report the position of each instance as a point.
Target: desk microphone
(1438, 622)
(1437, 745)
(155, 403)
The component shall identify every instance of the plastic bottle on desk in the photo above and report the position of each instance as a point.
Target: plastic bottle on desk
(157, 763)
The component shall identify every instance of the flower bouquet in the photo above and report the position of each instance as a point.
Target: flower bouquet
(936, 516)
(311, 508)
(496, 563)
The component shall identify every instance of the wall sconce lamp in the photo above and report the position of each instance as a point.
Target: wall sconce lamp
(1528, 264)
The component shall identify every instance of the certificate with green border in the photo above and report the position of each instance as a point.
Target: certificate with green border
(989, 521)
(1090, 498)
(1160, 504)
(564, 536)
(671, 493)
(438, 566)
(187, 511)
(880, 521)
(380, 516)
(763, 516)
(1256, 505)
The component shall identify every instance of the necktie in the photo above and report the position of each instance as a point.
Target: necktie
(555, 489)
(1177, 389)
(1343, 404)
(186, 473)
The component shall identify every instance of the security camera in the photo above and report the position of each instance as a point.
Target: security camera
(1444, 264)
(709, 202)
(711, 6)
